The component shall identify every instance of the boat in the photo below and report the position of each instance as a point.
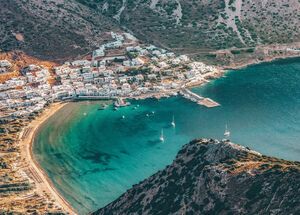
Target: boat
(161, 138)
(173, 122)
(227, 132)
(103, 107)
(121, 103)
(123, 117)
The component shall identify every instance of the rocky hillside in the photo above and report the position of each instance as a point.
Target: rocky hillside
(51, 29)
(190, 25)
(213, 177)
(60, 29)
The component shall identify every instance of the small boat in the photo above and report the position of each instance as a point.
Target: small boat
(123, 117)
(153, 112)
(147, 115)
(103, 107)
(173, 122)
(227, 132)
(161, 138)
(121, 103)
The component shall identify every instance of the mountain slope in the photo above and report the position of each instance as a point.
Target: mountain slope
(212, 177)
(61, 29)
(52, 29)
(190, 25)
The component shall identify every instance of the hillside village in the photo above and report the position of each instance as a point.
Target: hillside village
(122, 67)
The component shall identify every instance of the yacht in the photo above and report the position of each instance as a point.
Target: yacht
(227, 132)
(173, 122)
(161, 138)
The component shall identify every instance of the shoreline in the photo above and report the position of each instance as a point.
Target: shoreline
(43, 183)
(254, 62)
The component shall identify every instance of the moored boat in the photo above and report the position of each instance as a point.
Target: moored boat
(227, 132)
(161, 138)
(121, 103)
(103, 107)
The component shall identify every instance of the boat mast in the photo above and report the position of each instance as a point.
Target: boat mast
(227, 132)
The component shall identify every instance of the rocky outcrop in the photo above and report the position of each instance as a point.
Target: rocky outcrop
(215, 177)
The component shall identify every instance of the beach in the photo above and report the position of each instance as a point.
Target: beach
(42, 182)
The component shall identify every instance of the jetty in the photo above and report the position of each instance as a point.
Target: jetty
(93, 98)
(207, 102)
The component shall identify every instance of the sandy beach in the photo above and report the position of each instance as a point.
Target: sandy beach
(42, 182)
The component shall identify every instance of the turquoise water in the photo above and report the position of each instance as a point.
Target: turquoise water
(94, 156)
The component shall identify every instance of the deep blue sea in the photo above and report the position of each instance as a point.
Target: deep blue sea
(93, 156)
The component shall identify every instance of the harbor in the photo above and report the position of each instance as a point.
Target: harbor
(107, 147)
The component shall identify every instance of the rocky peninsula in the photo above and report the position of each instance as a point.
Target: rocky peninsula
(215, 177)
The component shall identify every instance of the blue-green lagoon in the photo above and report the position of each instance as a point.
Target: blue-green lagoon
(93, 156)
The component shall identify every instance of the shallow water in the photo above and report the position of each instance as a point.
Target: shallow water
(94, 156)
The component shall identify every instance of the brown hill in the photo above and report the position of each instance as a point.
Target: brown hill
(52, 29)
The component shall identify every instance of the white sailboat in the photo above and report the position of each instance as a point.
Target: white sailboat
(227, 132)
(161, 138)
(173, 122)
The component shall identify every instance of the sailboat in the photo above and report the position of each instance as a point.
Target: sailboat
(227, 132)
(161, 138)
(173, 122)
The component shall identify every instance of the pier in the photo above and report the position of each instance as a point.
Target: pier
(207, 102)
(78, 98)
